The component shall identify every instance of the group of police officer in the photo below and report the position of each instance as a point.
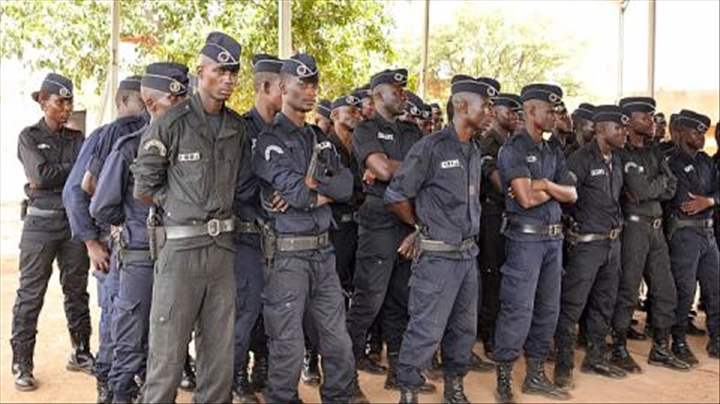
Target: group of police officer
(376, 222)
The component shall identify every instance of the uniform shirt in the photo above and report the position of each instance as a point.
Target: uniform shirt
(599, 184)
(443, 177)
(521, 157)
(716, 160)
(113, 202)
(105, 144)
(247, 197)
(493, 202)
(567, 148)
(347, 160)
(667, 148)
(190, 172)
(697, 175)
(47, 159)
(647, 181)
(376, 135)
(281, 159)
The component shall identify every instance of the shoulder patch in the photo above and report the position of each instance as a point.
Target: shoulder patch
(531, 159)
(272, 148)
(324, 145)
(632, 165)
(689, 168)
(155, 146)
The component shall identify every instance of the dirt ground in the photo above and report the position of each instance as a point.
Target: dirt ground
(655, 385)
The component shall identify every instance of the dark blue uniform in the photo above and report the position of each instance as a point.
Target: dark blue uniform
(301, 277)
(381, 276)
(114, 204)
(442, 176)
(693, 249)
(531, 275)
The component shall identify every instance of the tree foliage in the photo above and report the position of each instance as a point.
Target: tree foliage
(346, 37)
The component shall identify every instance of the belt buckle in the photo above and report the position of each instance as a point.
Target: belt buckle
(554, 230)
(213, 227)
(657, 223)
(614, 234)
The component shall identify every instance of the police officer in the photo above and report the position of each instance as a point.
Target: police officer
(582, 123)
(249, 260)
(96, 236)
(660, 128)
(296, 161)
(163, 85)
(415, 113)
(537, 181)
(647, 181)
(47, 151)
(592, 272)
(188, 163)
(368, 105)
(436, 191)
(381, 276)
(716, 160)
(667, 147)
(437, 116)
(693, 249)
(322, 116)
(563, 136)
(491, 242)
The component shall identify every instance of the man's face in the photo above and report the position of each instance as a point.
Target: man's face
(660, 131)
(586, 129)
(299, 94)
(563, 123)
(692, 138)
(479, 112)
(368, 107)
(437, 119)
(506, 118)
(426, 126)
(542, 115)
(613, 133)
(217, 81)
(167, 101)
(643, 123)
(57, 108)
(134, 104)
(393, 98)
(347, 117)
(323, 123)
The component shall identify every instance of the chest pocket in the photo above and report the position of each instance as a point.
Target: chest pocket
(534, 162)
(227, 164)
(390, 143)
(450, 174)
(192, 171)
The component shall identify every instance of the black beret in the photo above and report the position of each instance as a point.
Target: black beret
(543, 92)
(168, 77)
(414, 105)
(426, 112)
(484, 86)
(324, 108)
(673, 117)
(610, 113)
(363, 92)
(350, 100)
(55, 84)
(263, 62)
(584, 111)
(691, 119)
(303, 66)
(397, 76)
(511, 101)
(223, 49)
(637, 104)
(131, 83)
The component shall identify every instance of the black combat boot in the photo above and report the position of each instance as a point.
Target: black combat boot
(620, 356)
(660, 354)
(22, 365)
(635, 335)
(311, 368)
(537, 383)
(242, 389)
(258, 377)
(479, 365)
(454, 391)
(504, 390)
(104, 392)
(564, 362)
(391, 379)
(596, 363)
(713, 347)
(81, 359)
(681, 350)
(188, 381)
(369, 365)
(408, 396)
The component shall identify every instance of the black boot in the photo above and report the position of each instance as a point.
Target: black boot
(564, 362)
(81, 359)
(357, 396)
(104, 392)
(311, 368)
(22, 365)
(479, 365)
(188, 382)
(454, 391)
(242, 389)
(537, 383)
(366, 364)
(596, 363)
(681, 350)
(504, 390)
(713, 347)
(258, 377)
(408, 396)
(692, 329)
(391, 379)
(620, 356)
(635, 335)
(660, 354)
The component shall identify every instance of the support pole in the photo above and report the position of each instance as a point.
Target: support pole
(424, 49)
(285, 28)
(651, 48)
(114, 55)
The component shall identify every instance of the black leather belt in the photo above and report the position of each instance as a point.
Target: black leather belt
(246, 228)
(47, 213)
(701, 223)
(590, 237)
(441, 246)
(654, 222)
(302, 243)
(212, 228)
(552, 230)
(127, 255)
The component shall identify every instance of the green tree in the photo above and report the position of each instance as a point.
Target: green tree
(489, 44)
(72, 37)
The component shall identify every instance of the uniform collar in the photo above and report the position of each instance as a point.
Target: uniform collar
(525, 137)
(286, 124)
(382, 122)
